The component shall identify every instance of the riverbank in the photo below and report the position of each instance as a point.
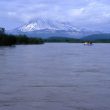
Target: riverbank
(8, 40)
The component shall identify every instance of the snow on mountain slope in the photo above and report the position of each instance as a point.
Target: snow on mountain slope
(45, 24)
(44, 28)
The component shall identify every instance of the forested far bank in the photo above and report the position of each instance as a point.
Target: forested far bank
(7, 40)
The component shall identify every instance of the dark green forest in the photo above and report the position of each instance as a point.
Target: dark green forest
(7, 40)
(62, 39)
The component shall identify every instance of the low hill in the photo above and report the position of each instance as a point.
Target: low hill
(62, 39)
(94, 37)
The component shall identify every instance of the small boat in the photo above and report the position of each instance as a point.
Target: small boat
(88, 43)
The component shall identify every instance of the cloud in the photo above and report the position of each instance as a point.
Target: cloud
(93, 14)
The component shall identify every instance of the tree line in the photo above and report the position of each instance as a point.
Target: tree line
(63, 39)
(18, 39)
(7, 40)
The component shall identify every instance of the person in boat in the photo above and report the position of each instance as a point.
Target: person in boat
(88, 43)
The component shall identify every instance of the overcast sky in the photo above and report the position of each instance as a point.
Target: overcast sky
(90, 14)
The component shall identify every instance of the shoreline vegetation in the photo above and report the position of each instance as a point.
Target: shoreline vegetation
(8, 40)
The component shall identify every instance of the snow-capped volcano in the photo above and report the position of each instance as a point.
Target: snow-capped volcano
(46, 24)
(44, 28)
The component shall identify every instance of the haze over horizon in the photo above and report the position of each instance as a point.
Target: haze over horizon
(89, 14)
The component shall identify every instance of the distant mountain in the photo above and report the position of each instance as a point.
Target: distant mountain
(104, 36)
(50, 28)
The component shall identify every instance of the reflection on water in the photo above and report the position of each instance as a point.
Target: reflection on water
(55, 77)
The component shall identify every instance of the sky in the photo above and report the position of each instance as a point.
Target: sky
(89, 14)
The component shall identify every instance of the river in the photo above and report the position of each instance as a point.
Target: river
(55, 76)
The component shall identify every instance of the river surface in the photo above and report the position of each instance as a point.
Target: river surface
(55, 76)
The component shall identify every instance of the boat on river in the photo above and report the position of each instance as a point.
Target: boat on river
(88, 43)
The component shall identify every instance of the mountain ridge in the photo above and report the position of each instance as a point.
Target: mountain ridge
(93, 37)
(45, 28)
